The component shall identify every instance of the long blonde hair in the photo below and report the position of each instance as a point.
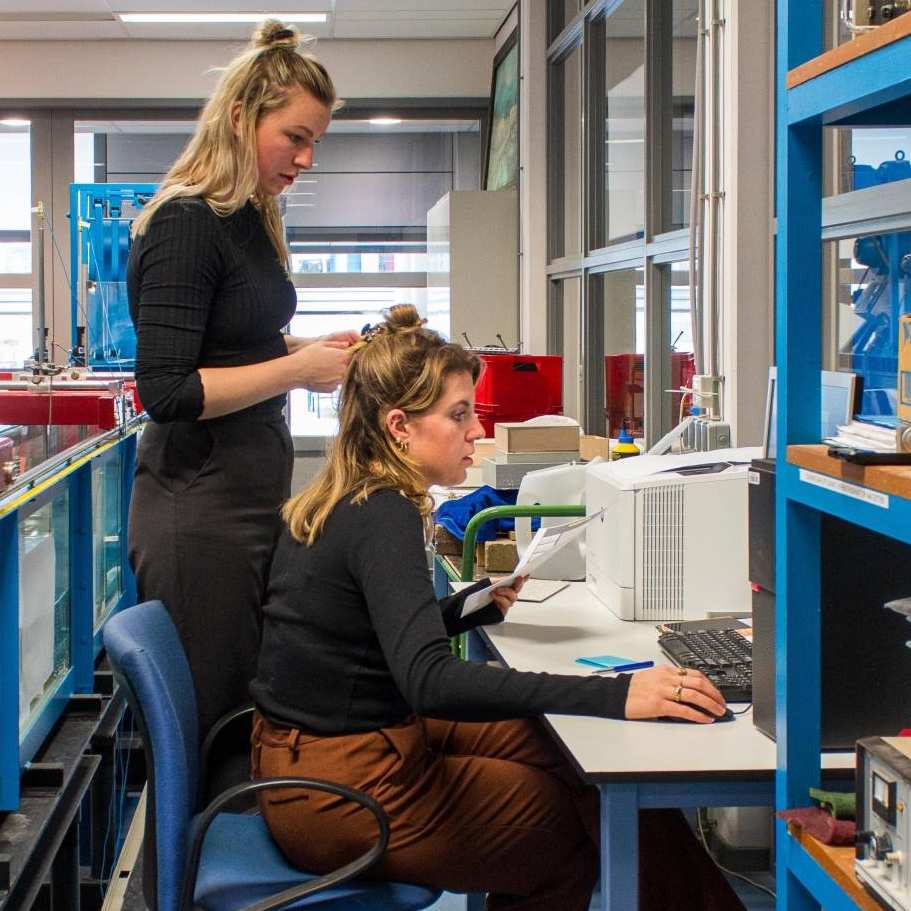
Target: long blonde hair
(219, 163)
(403, 365)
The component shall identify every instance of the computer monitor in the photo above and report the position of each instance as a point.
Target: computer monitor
(837, 400)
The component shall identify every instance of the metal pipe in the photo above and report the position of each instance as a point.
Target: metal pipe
(713, 181)
(40, 349)
(695, 248)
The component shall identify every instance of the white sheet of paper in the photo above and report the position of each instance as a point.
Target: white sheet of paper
(537, 590)
(546, 542)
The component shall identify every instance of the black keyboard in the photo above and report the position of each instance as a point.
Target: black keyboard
(723, 655)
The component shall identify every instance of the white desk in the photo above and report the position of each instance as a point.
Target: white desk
(635, 764)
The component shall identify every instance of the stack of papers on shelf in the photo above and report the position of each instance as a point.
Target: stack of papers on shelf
(876, 436)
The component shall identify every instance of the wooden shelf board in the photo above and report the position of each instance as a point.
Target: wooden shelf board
(838, 862)
(895, 30)
(890, 479)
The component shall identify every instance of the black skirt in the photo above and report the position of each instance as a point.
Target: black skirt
(204, 520)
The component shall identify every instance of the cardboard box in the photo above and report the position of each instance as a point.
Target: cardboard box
(536, 458)
(500, 556)
(446, 544)
(591, 446)
(483, 449)
(904, 367)
(537, 437)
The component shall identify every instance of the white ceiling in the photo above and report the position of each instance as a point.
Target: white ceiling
(69, 20)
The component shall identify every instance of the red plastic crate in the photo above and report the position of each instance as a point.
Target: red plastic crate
(624, 392)
(515, 387)
(94, 408)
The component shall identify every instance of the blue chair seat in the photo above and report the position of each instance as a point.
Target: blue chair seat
(233, 863)
(227, 880)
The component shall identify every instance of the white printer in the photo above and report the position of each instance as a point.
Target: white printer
(671, 543)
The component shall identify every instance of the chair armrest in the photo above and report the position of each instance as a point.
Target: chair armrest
(214, 732)
(328, 880)
(505, 512)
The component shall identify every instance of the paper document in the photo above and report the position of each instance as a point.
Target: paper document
(538, 590)
(545, 543)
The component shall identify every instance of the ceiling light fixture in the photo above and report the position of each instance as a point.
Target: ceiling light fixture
(385, 121)
(221, 17)
(15, 122)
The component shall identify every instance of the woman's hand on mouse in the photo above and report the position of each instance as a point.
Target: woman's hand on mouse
(663, 692)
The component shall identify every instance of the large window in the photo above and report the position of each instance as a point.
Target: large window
(357, 228)
(324, 310)
(620, 166)
(16, 199)
(16, 342)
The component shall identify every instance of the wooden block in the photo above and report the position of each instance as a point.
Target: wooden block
(500, 556)
(536, 437)
(591, 446)
(446, 544)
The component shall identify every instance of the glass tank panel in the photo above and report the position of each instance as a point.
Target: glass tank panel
(107, 533)
(44, 604)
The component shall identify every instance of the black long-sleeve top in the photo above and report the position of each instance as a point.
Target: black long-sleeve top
(204, 291)
(354, 639)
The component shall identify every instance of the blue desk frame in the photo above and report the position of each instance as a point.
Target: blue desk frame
(622, 800)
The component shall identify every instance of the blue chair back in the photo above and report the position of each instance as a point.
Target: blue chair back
(148, 658)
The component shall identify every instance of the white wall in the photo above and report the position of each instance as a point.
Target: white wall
(746, 242)
(181, 69)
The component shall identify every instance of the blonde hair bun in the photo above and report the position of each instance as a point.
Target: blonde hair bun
(403, 317)
(273, 33)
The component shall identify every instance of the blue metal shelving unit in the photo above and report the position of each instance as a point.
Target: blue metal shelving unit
(870, 89)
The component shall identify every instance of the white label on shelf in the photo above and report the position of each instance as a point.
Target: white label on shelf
(842, 487)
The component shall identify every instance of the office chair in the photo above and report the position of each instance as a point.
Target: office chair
(218, 860)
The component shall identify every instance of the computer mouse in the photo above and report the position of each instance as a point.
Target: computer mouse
(727, 716)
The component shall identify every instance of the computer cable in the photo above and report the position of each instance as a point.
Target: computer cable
(724, 869)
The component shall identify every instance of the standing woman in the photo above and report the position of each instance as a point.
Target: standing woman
(209, 296)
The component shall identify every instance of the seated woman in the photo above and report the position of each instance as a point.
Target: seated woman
(357, 683)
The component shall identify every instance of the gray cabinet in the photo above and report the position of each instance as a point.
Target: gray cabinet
(472, 266)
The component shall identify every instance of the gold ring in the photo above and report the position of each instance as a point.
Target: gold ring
(678, 693)
(681, 671)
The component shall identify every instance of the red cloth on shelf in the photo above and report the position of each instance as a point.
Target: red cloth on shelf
(821, 824)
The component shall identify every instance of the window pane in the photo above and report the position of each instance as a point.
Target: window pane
(871, 292)
(567, 341)
(624, 127)
(871, 157)
(16, 198)
(15, 326)
(358, 256)
(128, 151)
(567, 136)
(623, 293)
(685, 13)
(680, 343)
(560, 13)
(324, 310)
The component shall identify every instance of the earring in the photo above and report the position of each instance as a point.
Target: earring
(402, 445)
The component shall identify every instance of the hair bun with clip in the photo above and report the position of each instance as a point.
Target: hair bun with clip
(273, 33)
